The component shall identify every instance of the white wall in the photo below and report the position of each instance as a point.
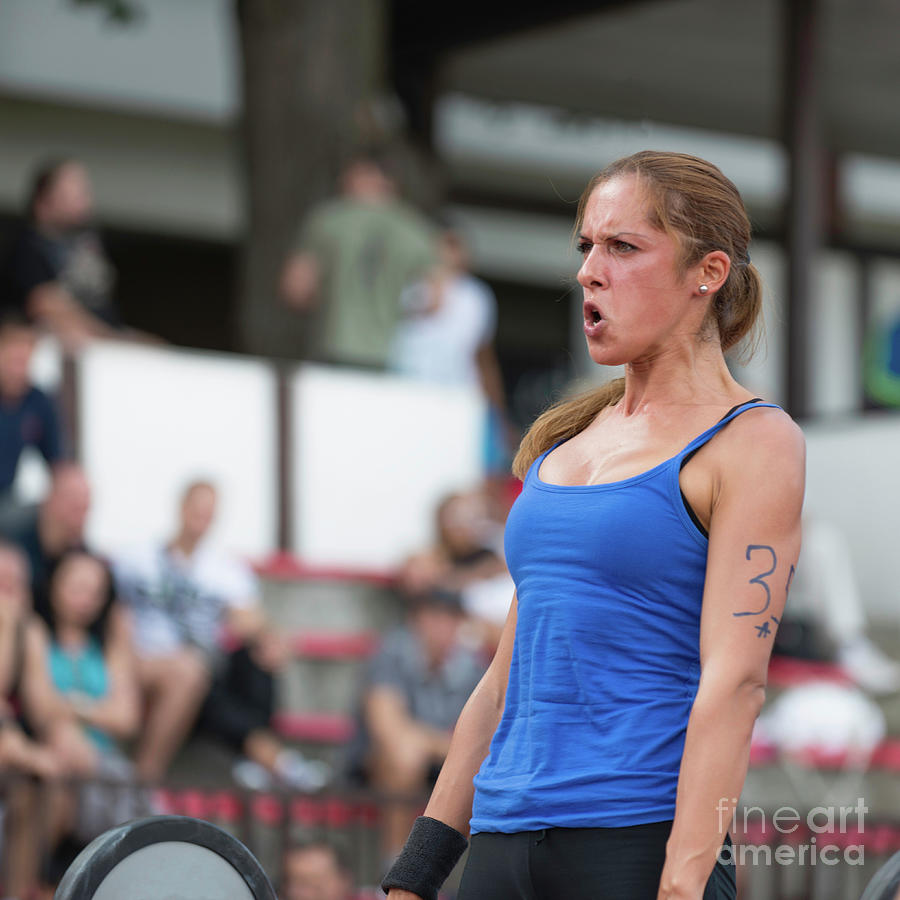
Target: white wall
(165, 175)
(834, 337)
(179, 58)
(853, 481)
(151, 420)
(373, 455)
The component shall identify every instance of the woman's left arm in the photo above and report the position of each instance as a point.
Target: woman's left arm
(754, 543)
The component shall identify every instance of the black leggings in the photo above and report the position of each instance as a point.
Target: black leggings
(577, 864)
(240, 701)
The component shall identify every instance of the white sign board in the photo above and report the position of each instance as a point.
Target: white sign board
(372, 455)
(152, 420)
(853, 482)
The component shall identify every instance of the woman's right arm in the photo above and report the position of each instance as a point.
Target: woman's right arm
(451, 799)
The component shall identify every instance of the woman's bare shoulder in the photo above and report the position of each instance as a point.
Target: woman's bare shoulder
(763, 438)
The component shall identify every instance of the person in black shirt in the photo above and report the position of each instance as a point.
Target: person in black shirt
(57, 272)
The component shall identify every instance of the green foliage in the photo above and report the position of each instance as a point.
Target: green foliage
(119, 12)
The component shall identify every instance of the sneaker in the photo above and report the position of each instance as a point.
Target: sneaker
(251, 776)
(869, 666)
(303, 774)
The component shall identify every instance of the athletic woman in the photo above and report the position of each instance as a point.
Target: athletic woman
(652, 548)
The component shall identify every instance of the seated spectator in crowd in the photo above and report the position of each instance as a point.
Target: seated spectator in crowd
(54, 526)
(316, 870)
(467, 558)
(19, 754)
(80, 693)
(352, 259)
(415, 688)
(27, 415)
(184, 596)
(16, 625)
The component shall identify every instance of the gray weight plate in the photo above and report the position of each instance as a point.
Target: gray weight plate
(165, 858)
(885, 883)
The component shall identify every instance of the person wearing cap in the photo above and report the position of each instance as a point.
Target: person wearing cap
(415, 688)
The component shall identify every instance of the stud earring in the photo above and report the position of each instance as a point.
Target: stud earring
(704, 288)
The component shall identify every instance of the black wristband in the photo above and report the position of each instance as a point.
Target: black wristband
(431, 851)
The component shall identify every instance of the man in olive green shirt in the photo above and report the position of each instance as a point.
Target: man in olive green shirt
(354, 255)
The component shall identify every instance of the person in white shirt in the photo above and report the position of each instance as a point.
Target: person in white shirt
(187, 599)
(446, 336)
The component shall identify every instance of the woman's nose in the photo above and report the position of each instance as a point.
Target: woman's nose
(592, 273)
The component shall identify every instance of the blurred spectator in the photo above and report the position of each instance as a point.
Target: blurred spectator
(415, 688)
(316, 870)
(16, 623)
(55, 526)
(352, 259)
(57, 272)
(183, 596)
(446, 336)
(80, 693)
(468, 559)
(18, 753)
(825, 589)
(27, 416)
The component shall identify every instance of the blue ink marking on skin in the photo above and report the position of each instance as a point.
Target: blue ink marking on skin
(787, 587)
(762, 630)
(760, 579)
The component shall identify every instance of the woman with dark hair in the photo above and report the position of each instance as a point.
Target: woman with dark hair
(79, 689)
(652, 549)
(82, 687)
(57, 271)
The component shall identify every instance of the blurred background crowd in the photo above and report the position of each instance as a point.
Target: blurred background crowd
(281, 286)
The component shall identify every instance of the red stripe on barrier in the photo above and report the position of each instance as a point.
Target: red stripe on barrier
(286, 567)
(885, 757)
(762, 753)
(336, 644)
(224, 806)
(306, 811)
(785, 671)
(266, 808)
(323, 728)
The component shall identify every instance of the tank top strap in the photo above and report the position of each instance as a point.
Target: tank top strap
(732, 413)
(531, 474)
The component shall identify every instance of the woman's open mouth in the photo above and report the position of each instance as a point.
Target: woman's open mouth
(593, 318)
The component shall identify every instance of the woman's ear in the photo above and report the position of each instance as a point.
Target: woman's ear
(713, 271)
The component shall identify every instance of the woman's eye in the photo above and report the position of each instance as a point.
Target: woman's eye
(584, 247)
(623, 246)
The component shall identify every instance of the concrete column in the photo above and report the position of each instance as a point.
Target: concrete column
(806, 186)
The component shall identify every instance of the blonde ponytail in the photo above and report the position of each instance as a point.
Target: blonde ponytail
(564, 420)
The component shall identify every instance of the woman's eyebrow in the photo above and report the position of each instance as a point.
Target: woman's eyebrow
(613, 237)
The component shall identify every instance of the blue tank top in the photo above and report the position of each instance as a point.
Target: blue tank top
(606, 662)
(82, 672)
